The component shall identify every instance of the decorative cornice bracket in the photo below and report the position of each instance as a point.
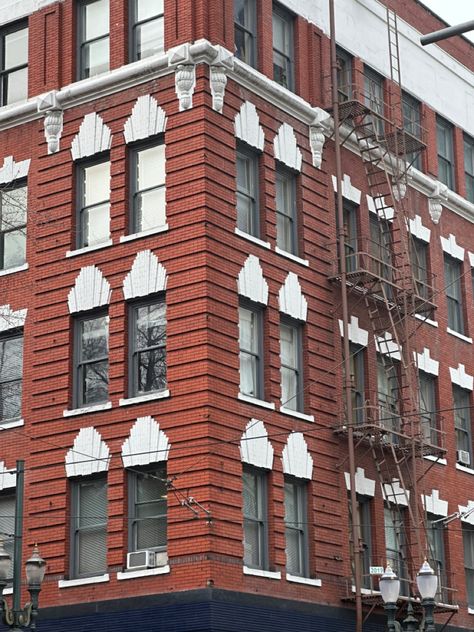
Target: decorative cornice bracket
(53, 119)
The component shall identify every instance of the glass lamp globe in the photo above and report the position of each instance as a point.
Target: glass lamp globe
(389, 586)
(427, 581)
(35, 568)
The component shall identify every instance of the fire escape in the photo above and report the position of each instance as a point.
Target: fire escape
(381, 273)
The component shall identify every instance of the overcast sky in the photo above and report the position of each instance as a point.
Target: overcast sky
(453, 11)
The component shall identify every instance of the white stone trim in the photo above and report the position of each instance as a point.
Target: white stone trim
(434, 505)
(349, 192)
(438, 461)
(146, 443)
(416, 228)
(9, 319)
(286, 148)
(147, 276)
(146, 572)
(452, 332)
(297, 414)
(7, 477)
(251, 282)
(357, 335)
(291, 299)
(147, 119)
(93, 137)
(394, 493)
(74, 412)
(317, 138)
(144, 233)
(466, 470)
(83, 581)
(255, 448)
(86, 249)
(387, 213)
(255, 401)
(252, 238)
(292, 257)
(296, 459)
(471, 258)
(247, 126)
(463, 510)
(427, 321)
(425, 362)
(12, 170)
(140, 399)
(89, 454)
(90, 290)
(364, 486)
(303, 580)
(24, 266)
(461, 378)
(451, 248)
(387, 346)
(258, 572)
(15, 423)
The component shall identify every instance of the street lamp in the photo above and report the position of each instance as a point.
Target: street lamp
(18, 619)
(427, 583)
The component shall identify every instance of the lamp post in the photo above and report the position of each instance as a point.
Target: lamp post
(427, 583)
(24, 618)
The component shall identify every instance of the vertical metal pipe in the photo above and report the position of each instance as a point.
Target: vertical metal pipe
(345, 321)
(18, 544)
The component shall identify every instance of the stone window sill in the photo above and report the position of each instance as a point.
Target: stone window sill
(261, 573)
(144, 233)
(145, 572)
(87, 409)
(144, 398)
(289, 255)
(428, 321)
(13, 270)
(458, 335)
(429, 457)
(14, 423)
(83, 581)
(463, 468)
(297, 414)
(252, 238)
(255, 401)
(86, 249)
(303, 580)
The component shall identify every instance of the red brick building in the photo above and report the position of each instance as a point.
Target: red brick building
(171, 320)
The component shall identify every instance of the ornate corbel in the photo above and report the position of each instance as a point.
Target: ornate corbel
(317, 137)
(185, 75)
(436, 200)
(53, 120)
(218, 77)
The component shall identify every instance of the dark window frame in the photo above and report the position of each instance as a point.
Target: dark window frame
(364, 516)
(468, 534)
(453, 274)
(445, 159)
(253, 194)
(21, 183)
(298, 332)
(134, 150)
(411, 112)
(289, 213)
(463, 420)
(78, 375)
(75, 528)
(344, 74)
(374, 82)
(7, 526)
(81, 207)
(155, 470)
(468, 144)
(395, 556)
(134, 23)
(82, 43)
(357, 364)
(157, 299)
(289, 56)
(261, 478)
(249, 30)
(257, 311)
(428, 416)
(4, 72)
(300, 487)
(435, 533)
(14, 334)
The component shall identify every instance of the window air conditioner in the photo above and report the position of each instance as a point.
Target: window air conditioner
(463, 457)
(140, 559)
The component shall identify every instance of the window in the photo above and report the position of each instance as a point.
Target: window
(148, 175)
(296, 523)
(381, 252)
(388, 404)
(11, 370)
(468, 542)
(356, 361)
(419, 264)
(255, 518)
(412, 124)
(444, 139)
(250, 345)
(92, 360)
(350, 234)
(7, 525)
(428, 407)
(89, 527)
(462, 425)
(148, 36)
(395, 543)
(148, 347)
(436, 554)
(93, 37)
(283, 47)
(94, 204)
(344, 74)
(364, 531)
(13, 208)
(286, 210)
(373, 97)
(148, 509)
(469, 166)
(247, 192)
(452, 279)
(13, 64)
(291, 366)
(245, 24)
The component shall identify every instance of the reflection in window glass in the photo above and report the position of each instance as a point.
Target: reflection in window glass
(92, 361)
(149, 348)
(94, 211)
(148, 187)
(94, 37)
(147, 28)
(14, 65)
(13, 210)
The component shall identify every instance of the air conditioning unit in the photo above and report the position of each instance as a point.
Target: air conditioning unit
(141, 559)
(463, 457)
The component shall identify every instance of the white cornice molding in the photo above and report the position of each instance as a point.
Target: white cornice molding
(147, 443)
(89, 454)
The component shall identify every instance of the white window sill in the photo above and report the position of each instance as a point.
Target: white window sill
(87, 409)
(429, 457)
(144, 233)
(13, 270)
(288, 255)
(254, 240)
(260, 573)
(428, 321)
(86, 249)
(463, 468)
(145, 572)
(469, 610)
(144, 398)
(8, 591)
(458, 335)
(366, 591)
(14, 423)
(303, 580)
(83, 581)
(255, 401)
(297, 414)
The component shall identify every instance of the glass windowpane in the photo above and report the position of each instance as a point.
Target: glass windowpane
(146, 9)
(96, 19)
(150, 38)
(96, 183)
(16, 49)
